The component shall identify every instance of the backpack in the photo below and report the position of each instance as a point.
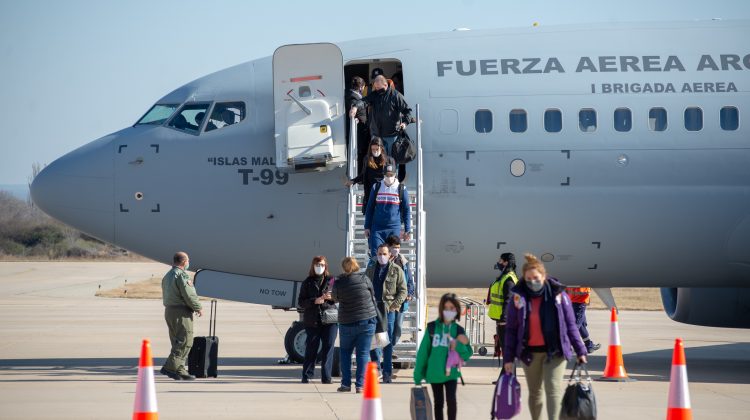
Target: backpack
(403, 149)
(506, 400)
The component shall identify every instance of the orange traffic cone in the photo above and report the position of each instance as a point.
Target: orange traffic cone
(614, 370)
(145, 391)
(678, 407)
(371, 404)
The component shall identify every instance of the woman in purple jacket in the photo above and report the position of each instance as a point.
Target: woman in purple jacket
(541, 328)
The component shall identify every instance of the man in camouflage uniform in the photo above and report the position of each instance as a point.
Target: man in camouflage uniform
(180, 302)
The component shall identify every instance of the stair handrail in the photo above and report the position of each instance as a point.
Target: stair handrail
(352, 173)
(420, 268)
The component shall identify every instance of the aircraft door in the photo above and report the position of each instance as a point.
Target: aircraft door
(308, 97)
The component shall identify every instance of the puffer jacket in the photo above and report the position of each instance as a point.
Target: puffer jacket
(354, 294)
(311, 289)
(518, 312)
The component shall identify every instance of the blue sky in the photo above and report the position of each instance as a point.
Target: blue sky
(73, 71)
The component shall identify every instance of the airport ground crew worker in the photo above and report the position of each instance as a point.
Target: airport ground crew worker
(581, 296)
(180, 302)
(498, 295)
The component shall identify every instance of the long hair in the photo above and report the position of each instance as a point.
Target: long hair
(376, 162)
(316, 259)
(532, 263)
(452, 298)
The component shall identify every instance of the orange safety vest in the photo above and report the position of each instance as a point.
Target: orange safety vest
(579, 294)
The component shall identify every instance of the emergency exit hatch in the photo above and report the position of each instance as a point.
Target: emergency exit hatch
(308, 93)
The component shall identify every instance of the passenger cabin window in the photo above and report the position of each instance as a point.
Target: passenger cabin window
(483, 121)
(623, 119)
(553, 120)
(226, 114)
(693, 119)
(657, 119)
(729, 118)
(158, 114)
(517, 120)
(587, 120)
(190, 118)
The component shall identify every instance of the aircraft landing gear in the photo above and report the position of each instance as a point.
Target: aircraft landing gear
(294, 344)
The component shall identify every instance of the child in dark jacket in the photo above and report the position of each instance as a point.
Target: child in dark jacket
(444, 335)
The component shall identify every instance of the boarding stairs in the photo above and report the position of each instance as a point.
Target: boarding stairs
(414, 324)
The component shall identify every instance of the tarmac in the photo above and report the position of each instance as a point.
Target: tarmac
(67, 354)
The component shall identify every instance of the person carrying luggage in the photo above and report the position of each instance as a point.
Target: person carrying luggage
(540, 331)
(314, 298)
(444, 335)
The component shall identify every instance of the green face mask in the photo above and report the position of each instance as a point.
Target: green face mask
(187, 266)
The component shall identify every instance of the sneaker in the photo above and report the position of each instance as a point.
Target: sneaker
(343, 388)
(380, 374)
(170, 374)
(594, 347)
(305, 380)
(326, 381)
(359, 390)
(387, 378)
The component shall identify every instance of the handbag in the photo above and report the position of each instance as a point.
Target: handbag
(380, 339)
(579, 401)
(403, 149)
(330, 315)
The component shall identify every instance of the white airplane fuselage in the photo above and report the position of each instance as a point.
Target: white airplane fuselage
(605, 208)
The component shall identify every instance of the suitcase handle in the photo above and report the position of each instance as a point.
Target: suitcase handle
(212, 319)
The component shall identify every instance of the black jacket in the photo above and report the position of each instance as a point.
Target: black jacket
(369, 177)
(311, 289)
(354, 294)
(388, 109)
(354, 98)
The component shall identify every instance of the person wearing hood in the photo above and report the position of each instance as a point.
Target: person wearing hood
(540, 331)
(314, 298)
(387, 207)
(443, 336)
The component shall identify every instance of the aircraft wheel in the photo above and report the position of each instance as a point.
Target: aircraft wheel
(294, 342)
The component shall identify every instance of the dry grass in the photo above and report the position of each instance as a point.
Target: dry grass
(627, 298)
(635, 298)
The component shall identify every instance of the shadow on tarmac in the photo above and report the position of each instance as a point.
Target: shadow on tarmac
(721, 363)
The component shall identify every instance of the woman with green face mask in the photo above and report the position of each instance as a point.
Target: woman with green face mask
(540, 331)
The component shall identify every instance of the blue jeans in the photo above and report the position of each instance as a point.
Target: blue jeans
(397, 324)
(388, 143)
(579, 309)
(387, 352)
(378, 237)
(357, 334)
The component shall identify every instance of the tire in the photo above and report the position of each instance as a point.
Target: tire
(294, 342)
(483, 351)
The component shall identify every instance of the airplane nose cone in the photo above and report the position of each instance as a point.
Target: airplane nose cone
(78, 189)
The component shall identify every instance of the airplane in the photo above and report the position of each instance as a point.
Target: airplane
(615, 152)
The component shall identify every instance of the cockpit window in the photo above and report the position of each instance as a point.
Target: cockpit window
(158, 114)
(226, 114)
(190, 118)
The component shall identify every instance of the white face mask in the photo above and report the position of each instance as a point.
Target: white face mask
(383, 259)
(319, 269)
(395, 251)
(449, 315)
(376, 154)
(389, 180)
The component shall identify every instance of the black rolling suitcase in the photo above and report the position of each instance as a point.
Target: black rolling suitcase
(203, 357)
